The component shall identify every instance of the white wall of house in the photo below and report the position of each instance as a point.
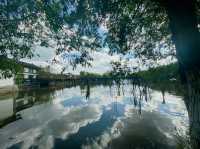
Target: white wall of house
(6, 82)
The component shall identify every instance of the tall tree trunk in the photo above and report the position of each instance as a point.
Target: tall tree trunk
(185, 34)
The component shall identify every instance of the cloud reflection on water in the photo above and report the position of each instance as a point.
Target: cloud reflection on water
(70, 111)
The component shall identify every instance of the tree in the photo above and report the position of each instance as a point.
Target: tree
(145, 27)
(148, 27)
(153, 29)
(119, 70)
(25, 24)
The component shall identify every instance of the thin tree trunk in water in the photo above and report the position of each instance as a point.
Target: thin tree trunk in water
(185, 34)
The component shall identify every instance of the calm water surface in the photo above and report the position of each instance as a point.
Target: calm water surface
(116, 116)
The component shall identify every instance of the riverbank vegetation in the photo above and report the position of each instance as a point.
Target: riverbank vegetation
(164, 74)
(163, 78)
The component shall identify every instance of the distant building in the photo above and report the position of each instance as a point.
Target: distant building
(27, 76)
(29, 71)
(30, 76)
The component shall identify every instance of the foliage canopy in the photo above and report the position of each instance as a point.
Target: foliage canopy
(140, 26)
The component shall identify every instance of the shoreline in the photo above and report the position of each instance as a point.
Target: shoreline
(5, 90)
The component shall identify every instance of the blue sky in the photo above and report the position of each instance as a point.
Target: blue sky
(100, 64)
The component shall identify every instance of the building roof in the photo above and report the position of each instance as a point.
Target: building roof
(28, 65)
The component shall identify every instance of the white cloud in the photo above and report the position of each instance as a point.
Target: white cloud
(62, 117)
(100, 64)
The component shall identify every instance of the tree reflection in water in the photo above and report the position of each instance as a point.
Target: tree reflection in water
(191, 96)
(192, 102)
(139, 92)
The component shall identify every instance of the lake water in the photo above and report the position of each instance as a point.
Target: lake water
(92, 117)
